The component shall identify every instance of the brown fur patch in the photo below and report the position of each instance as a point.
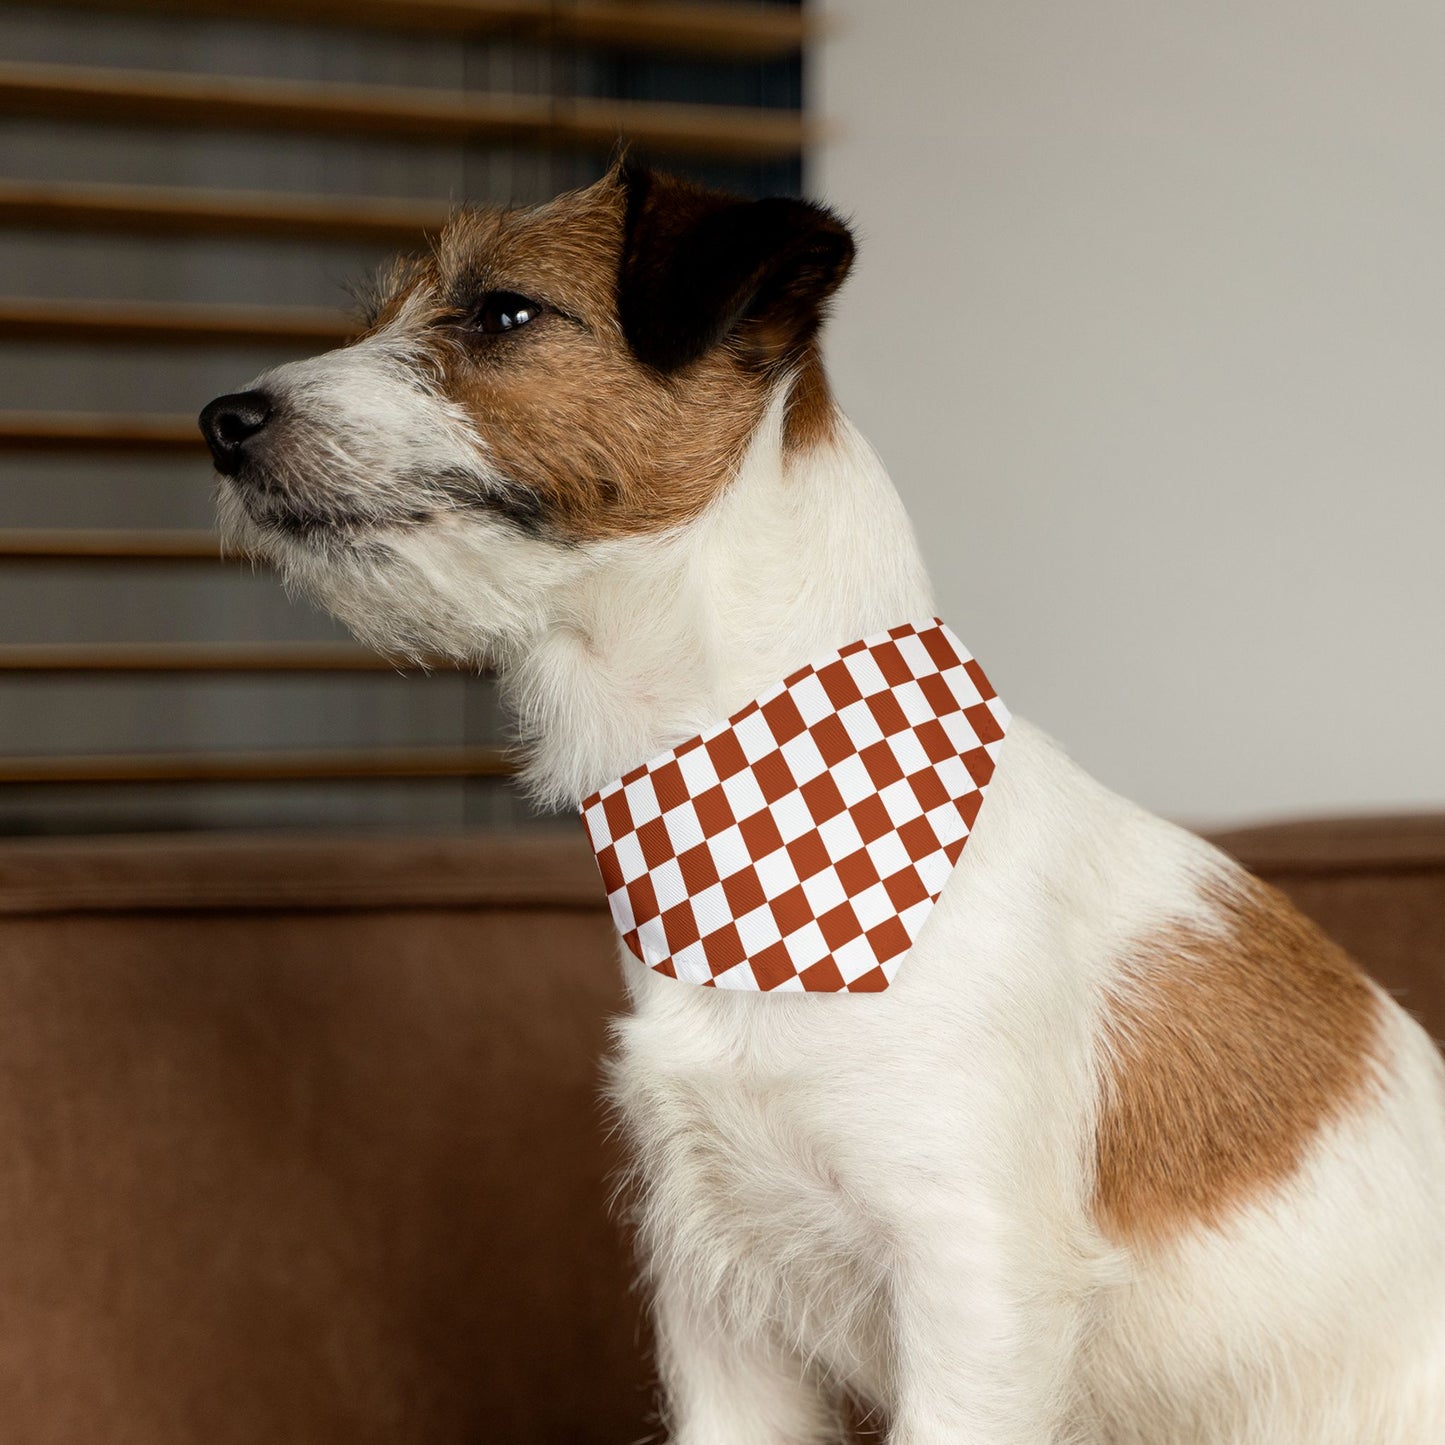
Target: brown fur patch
(1227, 1053)
(812, 415)
(604, 444)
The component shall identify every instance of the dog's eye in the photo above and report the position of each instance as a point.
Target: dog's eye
(504, 311)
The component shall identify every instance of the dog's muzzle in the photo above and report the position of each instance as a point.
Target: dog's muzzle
(230, 423)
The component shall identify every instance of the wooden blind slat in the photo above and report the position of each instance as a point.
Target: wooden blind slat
(761, 32)
(755, 32)
(77, 431)
(171, 323)
(218, 102)
(329, 765)
(184, 657)
(171, 211)
(83, 544)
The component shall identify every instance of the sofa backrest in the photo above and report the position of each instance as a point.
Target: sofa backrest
(302, 1142)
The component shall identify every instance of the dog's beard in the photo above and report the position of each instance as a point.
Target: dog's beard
(311, 490)
(451, 575)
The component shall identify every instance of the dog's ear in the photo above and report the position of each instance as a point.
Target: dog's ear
(700, 266)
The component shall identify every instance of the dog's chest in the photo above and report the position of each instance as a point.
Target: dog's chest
(748, 1180)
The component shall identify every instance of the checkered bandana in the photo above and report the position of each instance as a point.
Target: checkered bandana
(800, 845)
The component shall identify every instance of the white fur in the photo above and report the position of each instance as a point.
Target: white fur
(890, 1193)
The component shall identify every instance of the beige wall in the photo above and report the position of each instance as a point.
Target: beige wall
(1149, 323)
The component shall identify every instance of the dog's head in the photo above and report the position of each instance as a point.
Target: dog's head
(544, 383)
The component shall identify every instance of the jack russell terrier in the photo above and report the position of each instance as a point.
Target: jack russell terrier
(1095, 1138)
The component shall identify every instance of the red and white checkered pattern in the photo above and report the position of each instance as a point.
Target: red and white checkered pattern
(800, 845)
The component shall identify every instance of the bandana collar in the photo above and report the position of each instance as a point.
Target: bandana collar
(800, 845)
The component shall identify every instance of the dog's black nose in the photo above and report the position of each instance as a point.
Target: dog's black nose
(229, 422)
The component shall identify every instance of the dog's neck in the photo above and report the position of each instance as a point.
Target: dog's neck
(804, 552)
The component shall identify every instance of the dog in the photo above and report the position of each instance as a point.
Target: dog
(1128, 1152)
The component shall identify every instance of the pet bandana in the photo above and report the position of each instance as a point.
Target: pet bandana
(800, 845)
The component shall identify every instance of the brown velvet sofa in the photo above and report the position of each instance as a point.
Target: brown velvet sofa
(302, 1143)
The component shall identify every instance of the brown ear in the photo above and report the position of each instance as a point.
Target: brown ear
(699, 266)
